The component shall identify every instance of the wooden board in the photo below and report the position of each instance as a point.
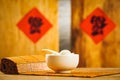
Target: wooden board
(107, 52)
(13, 42)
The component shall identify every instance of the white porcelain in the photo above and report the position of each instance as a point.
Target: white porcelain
(62, 63)
(52, 51)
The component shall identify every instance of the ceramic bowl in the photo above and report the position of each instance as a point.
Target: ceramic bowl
(62, 63)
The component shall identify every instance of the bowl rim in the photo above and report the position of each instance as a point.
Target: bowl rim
(62, 55)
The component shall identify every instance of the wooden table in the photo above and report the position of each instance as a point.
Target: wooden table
(33, 77)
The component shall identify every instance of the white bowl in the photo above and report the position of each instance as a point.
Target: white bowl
(62, 63)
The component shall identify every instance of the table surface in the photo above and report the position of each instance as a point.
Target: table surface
(33, 77)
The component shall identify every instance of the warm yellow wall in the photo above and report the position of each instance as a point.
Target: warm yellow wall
(107, 52)
(14, 42)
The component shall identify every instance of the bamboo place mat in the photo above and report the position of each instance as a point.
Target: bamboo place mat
(19, 64)
(79, 72)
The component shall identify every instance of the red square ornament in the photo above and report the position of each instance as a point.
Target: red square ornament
(97, 25)
(34, 25)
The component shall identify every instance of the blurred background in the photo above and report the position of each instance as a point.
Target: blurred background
(65, 17)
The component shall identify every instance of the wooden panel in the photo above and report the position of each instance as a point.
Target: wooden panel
(77, 44)
(107, 52)
(13, 42)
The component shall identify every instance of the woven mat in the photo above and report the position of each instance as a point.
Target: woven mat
(79, 72)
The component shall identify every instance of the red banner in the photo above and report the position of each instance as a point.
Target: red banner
(97, 25)
(34, 25)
